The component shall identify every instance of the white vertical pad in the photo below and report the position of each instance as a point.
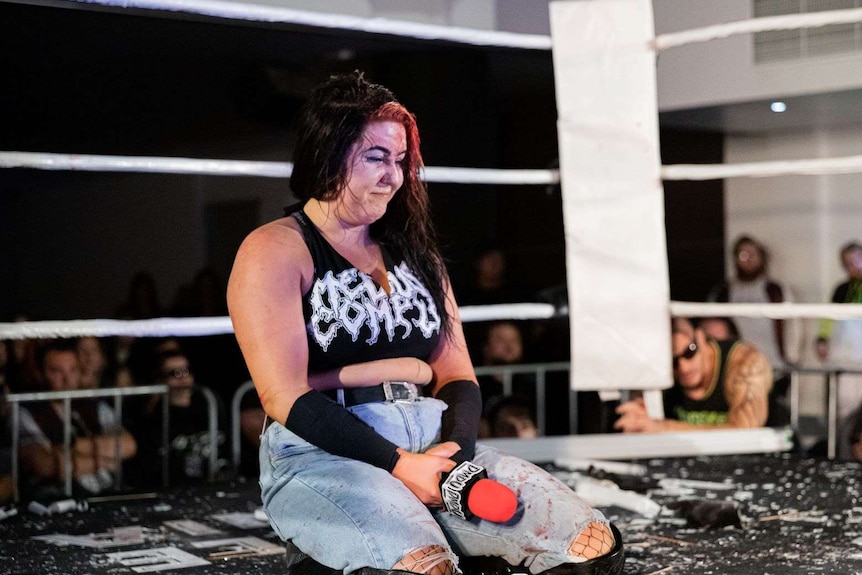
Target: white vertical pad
(613, 209)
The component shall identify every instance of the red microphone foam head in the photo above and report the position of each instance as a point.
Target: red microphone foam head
(492, 501)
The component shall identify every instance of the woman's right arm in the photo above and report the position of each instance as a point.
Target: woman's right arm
(264, 298)
(272, 270)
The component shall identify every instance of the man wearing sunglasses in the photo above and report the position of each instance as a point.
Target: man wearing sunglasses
(716, 385)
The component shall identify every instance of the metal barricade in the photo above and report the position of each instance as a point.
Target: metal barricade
(541, 371)
(212, 420)
(15, 399)
(832, 375)
(236, 431)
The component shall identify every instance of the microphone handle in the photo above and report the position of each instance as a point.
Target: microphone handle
(455, 488)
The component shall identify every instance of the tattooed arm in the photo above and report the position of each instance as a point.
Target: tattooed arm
(748, 381)
(747, 385)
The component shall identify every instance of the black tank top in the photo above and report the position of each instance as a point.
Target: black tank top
(350, 319)
(712, 409)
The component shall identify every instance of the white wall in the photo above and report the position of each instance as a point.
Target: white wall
(804, 220)
(462, 13)
(723, 71)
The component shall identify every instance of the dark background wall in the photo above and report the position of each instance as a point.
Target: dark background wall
(694, 216)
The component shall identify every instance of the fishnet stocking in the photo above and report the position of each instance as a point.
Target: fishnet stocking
(433, 560)
(594, 541)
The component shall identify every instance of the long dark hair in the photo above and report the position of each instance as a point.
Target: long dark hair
(328, 125)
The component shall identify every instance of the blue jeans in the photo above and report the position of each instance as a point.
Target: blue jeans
(347, 514)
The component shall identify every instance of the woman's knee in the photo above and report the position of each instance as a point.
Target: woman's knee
(595, 540)
(430, 559)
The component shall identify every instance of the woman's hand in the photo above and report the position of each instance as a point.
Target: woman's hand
(420, 472)
(447, 449)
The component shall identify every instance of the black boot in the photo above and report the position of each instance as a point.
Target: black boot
(373, 571)
(489, 565)
(610, 564)
(299, 563)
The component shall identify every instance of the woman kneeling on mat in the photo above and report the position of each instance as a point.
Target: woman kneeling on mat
(345, 316)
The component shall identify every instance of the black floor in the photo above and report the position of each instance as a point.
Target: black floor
(147, 532)
(795, 516)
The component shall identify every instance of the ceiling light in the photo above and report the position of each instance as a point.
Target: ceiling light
(778, 107)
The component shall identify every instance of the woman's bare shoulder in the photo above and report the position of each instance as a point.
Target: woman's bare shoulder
(273, 239)
(277, 251)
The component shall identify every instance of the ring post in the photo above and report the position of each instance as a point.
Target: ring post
(613, 204)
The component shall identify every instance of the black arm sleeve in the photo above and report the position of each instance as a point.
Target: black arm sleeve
(461, 420)
(319, 420)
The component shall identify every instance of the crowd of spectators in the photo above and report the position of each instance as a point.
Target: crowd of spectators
(192, 368)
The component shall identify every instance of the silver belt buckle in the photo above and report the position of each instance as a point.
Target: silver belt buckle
(399, 391)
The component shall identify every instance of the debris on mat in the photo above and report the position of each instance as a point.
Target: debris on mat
(728, 515)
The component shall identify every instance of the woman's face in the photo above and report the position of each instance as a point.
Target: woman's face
(375, 172)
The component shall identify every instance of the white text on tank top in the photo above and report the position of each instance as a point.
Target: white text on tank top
(350, 300)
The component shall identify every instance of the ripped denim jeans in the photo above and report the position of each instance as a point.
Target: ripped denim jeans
(347, 514)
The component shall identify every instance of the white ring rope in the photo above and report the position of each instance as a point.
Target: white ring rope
(783, 22)
(265, 13)
(490, 176)
(787, 310)
(158, 327)
(507, 311)
(202, 326)
(146, 164)
(808, 167)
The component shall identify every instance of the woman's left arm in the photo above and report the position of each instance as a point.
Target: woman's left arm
(455, 383)
(451, 361)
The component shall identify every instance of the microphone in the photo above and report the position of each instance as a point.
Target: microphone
(467, 492)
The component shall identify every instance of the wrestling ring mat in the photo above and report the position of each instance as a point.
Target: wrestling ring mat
(794, 515)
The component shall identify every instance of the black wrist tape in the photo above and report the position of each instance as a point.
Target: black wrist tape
(461, 420)
(322, 422)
